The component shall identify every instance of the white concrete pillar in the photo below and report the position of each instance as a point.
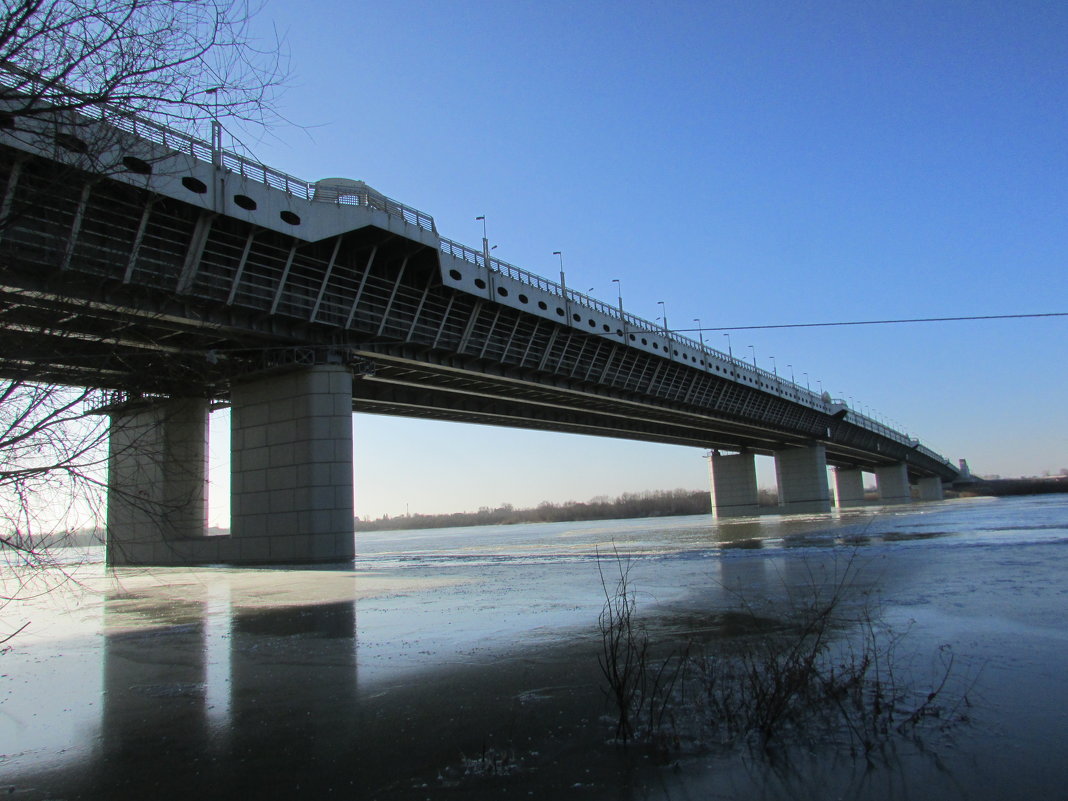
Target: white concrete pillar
(291, 467)
(893, 483)
(734, 485)
(848, 487)
(157, 478)
(931, 489)
(802, 477)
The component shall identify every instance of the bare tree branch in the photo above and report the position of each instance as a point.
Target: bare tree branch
(66, 67)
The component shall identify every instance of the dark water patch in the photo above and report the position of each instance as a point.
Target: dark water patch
(902, 536)
(158, 632)
(743, 545)
(1011, 542)
(176, 690)
(854, 539)
(686, 625)
(469, 560)
(1061, 526)
(737, 623)
(808, 540)
(327, 621)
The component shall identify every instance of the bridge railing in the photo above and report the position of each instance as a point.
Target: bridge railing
(865, 421)
(632, 323)
(181, 142)
(357, 193)
(256, 171)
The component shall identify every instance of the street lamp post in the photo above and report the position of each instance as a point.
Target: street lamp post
(792, 381)
(485, 242)
(774, 367)
(806, 382)
(216, 127)
(486, 256)
(619, 297)
(218, 188)
(216, 143)
(563, 285)
(730, 353)
(667, 336)
(754, 356)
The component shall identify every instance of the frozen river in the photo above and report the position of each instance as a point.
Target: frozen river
(393, 677)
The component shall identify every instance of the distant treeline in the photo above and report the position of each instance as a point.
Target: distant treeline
(660, 503)
(1015, 486)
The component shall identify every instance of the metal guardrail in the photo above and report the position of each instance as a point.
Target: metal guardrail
(633, 324)
(357, 193)
(180, 142)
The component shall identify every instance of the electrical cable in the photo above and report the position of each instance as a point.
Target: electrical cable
(877, 322)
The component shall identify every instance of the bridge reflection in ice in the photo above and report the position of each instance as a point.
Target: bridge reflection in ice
(224, 668)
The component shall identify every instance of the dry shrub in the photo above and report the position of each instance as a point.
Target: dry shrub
(823, 667)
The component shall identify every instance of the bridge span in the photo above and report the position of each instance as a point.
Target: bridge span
(175, 275)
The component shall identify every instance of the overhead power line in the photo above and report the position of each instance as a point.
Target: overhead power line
(877, 322)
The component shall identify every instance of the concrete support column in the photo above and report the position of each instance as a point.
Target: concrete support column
(157, 477)
(291, 467)
(931, 489)
(802, 477)
(893, 483)
(734, 485)
(848, 487)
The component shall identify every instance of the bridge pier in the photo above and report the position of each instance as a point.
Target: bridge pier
(157, 479)
(893, 483)
(931, 489)
(291, 467)
(801, 474)
(734, 485)
(848, 487)
(291, 475)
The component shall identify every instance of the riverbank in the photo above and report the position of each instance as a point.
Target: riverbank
(666, 503)
(658, 503)
(1005, 487)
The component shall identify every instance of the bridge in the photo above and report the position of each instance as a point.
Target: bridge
(176, 275)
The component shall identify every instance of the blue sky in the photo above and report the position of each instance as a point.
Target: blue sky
(747, 163)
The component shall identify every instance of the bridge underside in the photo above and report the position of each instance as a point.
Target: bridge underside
(110, 286)
(407, 388)
(97, 342)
